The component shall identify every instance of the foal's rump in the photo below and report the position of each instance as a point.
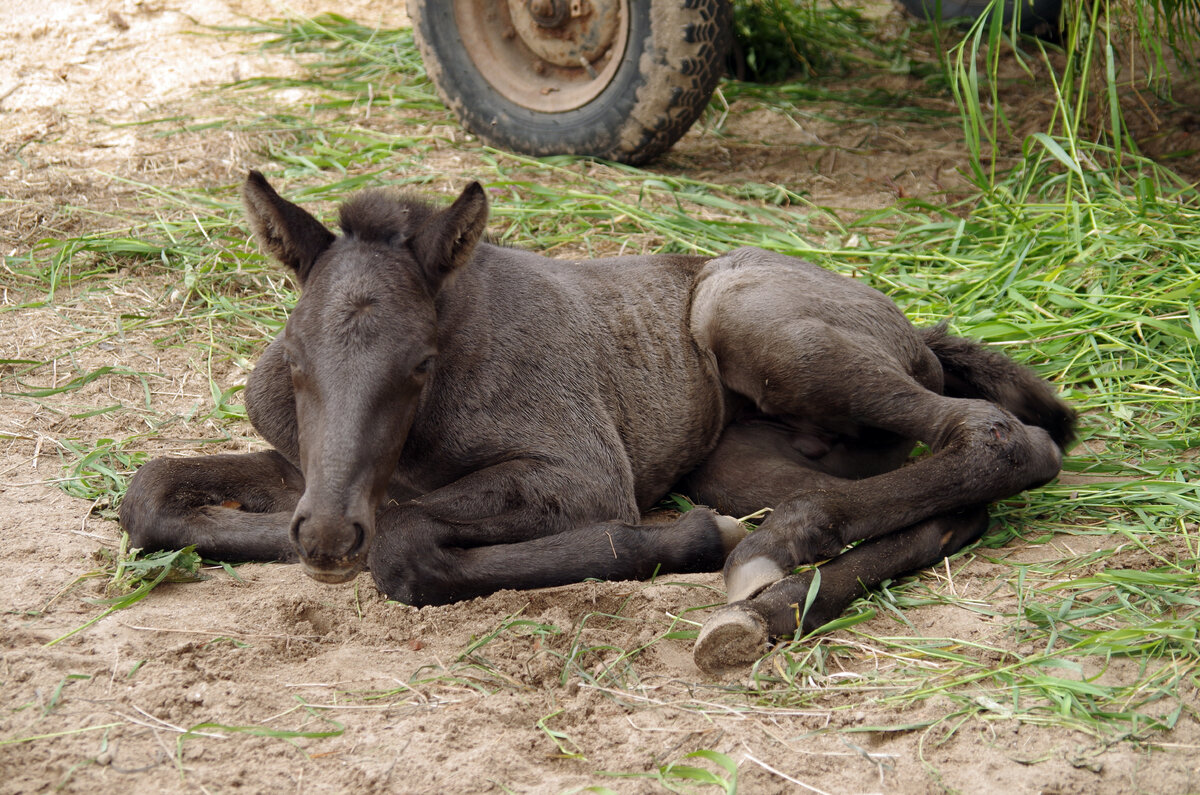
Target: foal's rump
(823, 335)
(785, 333)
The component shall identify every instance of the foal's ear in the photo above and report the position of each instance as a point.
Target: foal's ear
(445, 243)
(288, 233)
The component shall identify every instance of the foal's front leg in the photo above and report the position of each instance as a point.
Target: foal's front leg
(235, 507)
(528, 524)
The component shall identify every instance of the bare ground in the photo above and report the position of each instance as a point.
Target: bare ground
(411, 699)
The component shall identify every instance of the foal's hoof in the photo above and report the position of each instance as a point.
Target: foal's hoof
(732, 531)
(733, 637)
(750, 578)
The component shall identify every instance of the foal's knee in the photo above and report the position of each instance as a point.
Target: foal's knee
(407, 561)
(1013, 456)
(141, 511)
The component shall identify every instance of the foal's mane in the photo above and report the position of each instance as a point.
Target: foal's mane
(384, 216)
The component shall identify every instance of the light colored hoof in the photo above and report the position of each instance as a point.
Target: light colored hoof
(732, 638)
(751, 577)
(732, 531)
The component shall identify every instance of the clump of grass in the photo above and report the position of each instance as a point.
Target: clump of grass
(778, 39)
(99, 472)
(359, 68)
(686, 773)
(1111, 53)
(133, 576)
(221, 731)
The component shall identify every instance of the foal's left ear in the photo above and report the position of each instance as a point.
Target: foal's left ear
(446, 243)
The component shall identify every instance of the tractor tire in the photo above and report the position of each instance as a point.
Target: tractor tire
(616, 79)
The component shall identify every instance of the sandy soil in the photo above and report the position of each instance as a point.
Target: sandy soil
(466, 697)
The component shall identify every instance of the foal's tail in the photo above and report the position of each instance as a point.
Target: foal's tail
(973, 371)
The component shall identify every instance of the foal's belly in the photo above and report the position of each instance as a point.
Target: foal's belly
(669, 422)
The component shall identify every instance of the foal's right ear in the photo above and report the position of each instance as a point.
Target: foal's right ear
(446, 243)
(285, 231)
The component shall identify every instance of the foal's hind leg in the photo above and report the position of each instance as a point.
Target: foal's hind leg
(231, 507)
(839, 380)
(979, 453)
(759, 464)
(736, 634)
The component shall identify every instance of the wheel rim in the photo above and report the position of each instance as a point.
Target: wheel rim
(550, 56)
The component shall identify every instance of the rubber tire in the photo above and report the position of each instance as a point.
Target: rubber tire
(673, 59)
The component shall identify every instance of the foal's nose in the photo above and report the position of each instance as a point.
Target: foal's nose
(331, 545)
(331, 537)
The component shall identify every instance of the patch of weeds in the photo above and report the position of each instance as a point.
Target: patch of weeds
(221, 731)
(567, 748)
(777, 39)
(599, 663)
(55, 735)
(100, 472)
(683, 775)
(357, 68)
(76, 383)
(57, 695)
(221, 641)
(133, 576)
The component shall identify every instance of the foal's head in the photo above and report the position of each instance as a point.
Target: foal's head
(360, 343)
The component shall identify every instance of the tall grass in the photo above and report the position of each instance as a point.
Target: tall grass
(779, 39)
(1111, 54)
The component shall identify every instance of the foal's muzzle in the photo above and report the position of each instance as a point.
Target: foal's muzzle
(332, 547)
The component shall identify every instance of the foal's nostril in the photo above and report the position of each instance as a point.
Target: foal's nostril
(294, 535)
(360, 541)
(320, 537)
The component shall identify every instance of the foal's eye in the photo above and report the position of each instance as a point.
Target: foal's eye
(424, 367)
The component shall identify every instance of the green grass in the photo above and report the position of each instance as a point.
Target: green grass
(133, 576)
(779, 39)
(1071, 251)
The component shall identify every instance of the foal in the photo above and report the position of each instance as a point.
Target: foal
(460, 418)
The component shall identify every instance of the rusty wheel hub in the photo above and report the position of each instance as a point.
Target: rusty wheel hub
(565, 32)
(546, 55)
(547, 13)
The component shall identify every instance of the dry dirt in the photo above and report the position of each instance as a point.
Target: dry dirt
(257, 650)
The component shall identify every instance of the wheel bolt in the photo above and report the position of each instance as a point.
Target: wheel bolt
(548, 13)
